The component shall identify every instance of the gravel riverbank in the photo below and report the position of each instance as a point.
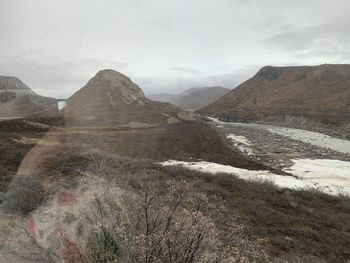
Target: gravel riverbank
(274, 149)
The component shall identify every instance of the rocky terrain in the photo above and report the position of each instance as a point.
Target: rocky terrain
(317, 92)
(112, 100)
(339, 130)
(277, 150)
(193, 99)
(18, 100)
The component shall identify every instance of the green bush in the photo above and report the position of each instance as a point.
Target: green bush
(102, 247)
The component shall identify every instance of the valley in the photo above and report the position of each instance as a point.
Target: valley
(309, 156)
(175, 131)
(113, 159)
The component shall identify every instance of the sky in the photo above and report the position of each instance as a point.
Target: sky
(166, 46)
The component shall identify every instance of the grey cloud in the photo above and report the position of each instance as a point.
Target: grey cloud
(185, 70)
(166, 45)
(174, 84)
(328, 40)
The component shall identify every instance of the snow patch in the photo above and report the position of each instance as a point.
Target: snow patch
(310, 174)
(333, 175)
(242, 143)
(238, 138)
(251, 175)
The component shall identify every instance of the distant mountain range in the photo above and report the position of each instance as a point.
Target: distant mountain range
(111, 99)
(317, 92)
(192, 99)
(18, 100)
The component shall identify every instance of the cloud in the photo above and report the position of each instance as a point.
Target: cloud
(166, 45)
(170, 82)
(186, 70)
(328, 40)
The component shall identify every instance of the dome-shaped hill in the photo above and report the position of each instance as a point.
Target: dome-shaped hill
(111, 99)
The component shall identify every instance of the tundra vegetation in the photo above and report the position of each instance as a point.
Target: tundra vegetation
(121, 209)
(101, 204)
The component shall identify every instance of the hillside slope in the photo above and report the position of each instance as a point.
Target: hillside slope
(194, 98)
(317, 92)
(111, 99)
(18, 100)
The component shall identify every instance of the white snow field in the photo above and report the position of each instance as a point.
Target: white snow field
(329, 176)
(333, 175)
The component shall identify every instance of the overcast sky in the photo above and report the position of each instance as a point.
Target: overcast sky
(56, 46)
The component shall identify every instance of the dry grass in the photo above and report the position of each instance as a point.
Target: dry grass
(253, 222)
(243, 221)
(130, 211)
(299, 224)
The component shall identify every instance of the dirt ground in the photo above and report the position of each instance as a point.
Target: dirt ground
(187, 141)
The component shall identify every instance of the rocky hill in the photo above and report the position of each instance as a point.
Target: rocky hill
(194, 98)
(317, 92)
(111, 100)
(18, 100)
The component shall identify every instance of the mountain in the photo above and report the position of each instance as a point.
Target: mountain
(18, 100)
(162, 97)
(111, 99)
(194, 98)
(166, 97)
(200, 98)
(317, 92)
